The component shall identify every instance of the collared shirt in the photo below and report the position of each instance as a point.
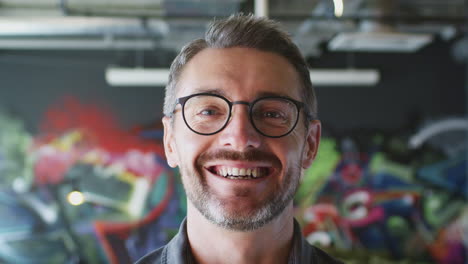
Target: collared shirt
(177, 251)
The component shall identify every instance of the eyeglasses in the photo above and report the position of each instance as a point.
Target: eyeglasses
(208, 114)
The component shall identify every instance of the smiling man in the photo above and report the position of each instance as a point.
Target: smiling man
(240, 123)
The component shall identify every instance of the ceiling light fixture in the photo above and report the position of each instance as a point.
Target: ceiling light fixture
(345, 77)
(116, 76)
(338, 7)
(379, 42)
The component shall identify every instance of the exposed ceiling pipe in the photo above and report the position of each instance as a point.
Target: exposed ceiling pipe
(162, 9)
(76, 44)
(122, 8)
(205, 9)
(80, 33)
(28, 3)
(81, 26)
(104, 4)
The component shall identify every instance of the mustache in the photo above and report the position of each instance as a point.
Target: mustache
(251, 156)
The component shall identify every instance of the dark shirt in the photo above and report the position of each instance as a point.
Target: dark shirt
(177, 251)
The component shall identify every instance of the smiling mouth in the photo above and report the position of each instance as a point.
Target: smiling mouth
(235, 173)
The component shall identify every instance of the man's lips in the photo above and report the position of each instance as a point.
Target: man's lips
(240, 172)
(253, 164)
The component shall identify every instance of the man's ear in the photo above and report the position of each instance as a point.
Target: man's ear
(169, 144)
(312, 143)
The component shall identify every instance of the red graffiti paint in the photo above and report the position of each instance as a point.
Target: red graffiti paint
(97, 122)
(71, 129)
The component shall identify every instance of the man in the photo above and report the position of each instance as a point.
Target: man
(240, 124)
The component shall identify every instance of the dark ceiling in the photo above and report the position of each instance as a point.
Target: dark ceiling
(167, 25)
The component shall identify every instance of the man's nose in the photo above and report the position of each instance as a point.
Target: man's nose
(239, 133)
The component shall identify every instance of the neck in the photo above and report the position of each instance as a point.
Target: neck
(213, 244)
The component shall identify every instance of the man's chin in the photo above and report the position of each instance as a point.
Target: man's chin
(239, 211)
(239, 219)
(236, 223)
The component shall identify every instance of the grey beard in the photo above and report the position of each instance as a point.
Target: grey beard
(201, 198)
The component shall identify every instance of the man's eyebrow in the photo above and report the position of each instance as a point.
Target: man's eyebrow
(223, 93)
(216, 91)
(266, 93)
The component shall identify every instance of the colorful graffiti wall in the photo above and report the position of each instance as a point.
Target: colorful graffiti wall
(387, 203)
(84, 190)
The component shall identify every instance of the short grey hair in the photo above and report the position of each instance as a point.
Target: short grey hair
(244, 31)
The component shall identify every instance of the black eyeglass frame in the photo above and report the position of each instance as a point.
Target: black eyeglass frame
(299, 106)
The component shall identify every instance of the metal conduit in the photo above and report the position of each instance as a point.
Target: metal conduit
(125, 8)
(81, 3)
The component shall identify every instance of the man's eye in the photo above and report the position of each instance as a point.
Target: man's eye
(208, 112)
(272, 114)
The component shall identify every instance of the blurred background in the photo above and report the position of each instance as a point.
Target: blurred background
(83, 178)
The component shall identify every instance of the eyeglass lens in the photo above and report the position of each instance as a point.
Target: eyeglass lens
(274, 117)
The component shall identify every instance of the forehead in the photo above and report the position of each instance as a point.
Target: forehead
(239, 74)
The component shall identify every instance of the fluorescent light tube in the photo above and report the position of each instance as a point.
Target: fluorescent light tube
(136, 76)
(324, 77)
(379, 42)
(344, 77)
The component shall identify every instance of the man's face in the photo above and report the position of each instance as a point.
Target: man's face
(240, 203)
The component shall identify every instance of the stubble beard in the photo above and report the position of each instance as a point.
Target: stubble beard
(203, 199)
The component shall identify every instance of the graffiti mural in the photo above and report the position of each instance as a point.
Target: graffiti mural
(84, 190)
(379, 207)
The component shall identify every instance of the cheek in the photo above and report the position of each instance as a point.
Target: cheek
(294, 147)
(297, 140)
(189, 147)
(288, 150)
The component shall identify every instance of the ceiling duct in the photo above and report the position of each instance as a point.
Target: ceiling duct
(375, 35)
(379, 39)
(80, 26)
(76, 44)
(106, 24)
(121, 8)
(88, 7)
(80, 33)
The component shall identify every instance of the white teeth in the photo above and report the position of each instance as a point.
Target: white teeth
(236, 173)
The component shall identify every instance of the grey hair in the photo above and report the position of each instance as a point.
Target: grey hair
(244, 31)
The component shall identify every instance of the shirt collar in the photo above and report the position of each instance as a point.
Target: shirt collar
(178, 250)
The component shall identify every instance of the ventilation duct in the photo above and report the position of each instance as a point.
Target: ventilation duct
(376, 37)
(379, 42)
